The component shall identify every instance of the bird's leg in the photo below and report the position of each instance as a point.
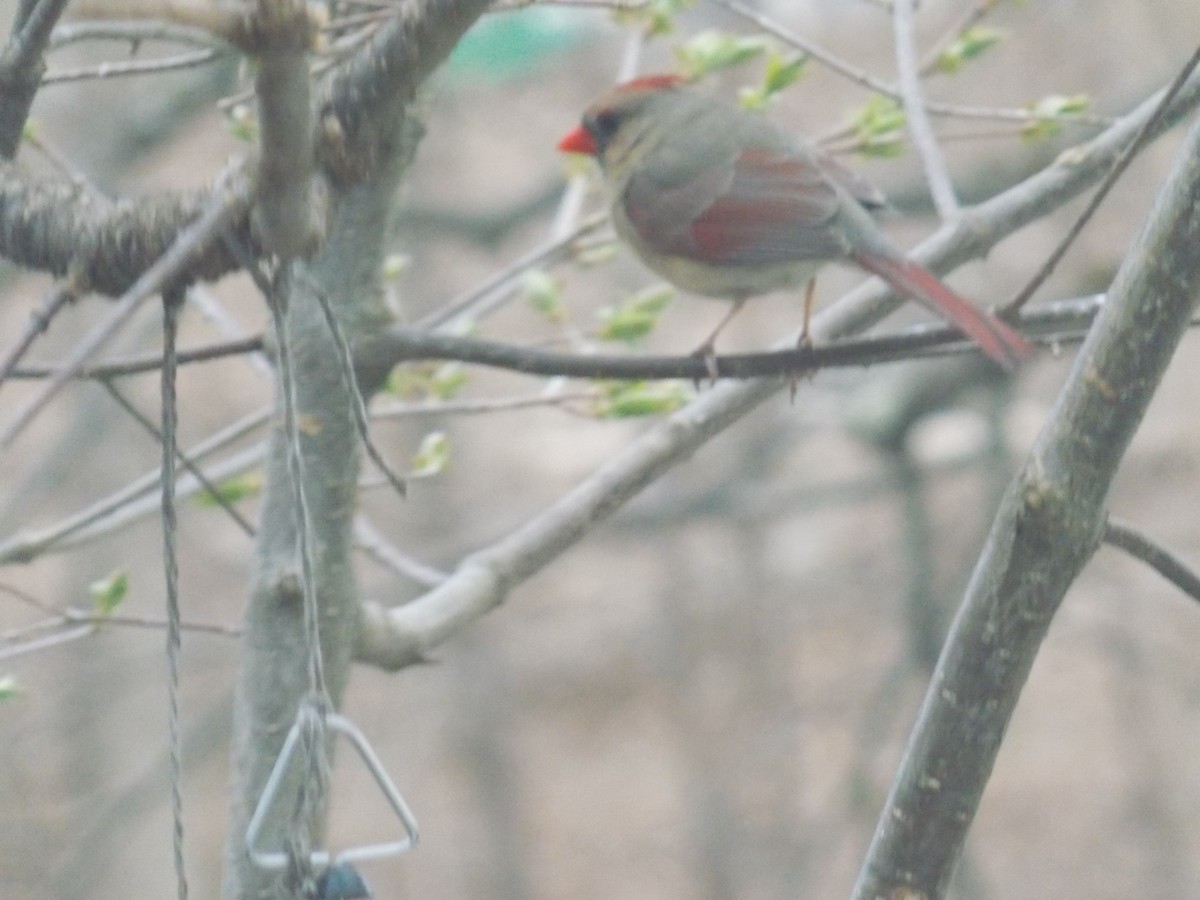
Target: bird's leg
(805, 339)
(707, 350)
(805, 336)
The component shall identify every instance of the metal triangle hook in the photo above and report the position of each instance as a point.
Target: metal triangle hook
(276, 860)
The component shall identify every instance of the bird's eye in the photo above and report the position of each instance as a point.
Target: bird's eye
(603, 125)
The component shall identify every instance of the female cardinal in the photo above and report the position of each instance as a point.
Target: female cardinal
(722, 203)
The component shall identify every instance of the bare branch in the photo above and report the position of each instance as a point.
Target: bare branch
(859, 76)
(188, 463)
(1120, 164)
(21, 68)
(915, 111)
(56, 227)
(133, 32)
(169, 270)
(1139, 545)
(364, 99)
(132, 67)
(135, 501)
(1048, 527)
(39, 321)
(401, 344)
(285, 211)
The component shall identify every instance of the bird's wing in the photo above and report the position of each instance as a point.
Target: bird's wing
(757, 206)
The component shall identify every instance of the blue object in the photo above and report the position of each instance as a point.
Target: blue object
(341, 881)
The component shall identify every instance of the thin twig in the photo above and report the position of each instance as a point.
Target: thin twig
(401, 344)
(866, 80)
(196, 472)
(969, 18)
(130, 67)
(357, 406)
(371, 541)
(916, 114)
(152, 362)
(71, 625)
(225, 207)
(1120, 164)
(1128, 537)
(402, 410)
(59, 160)
(44, 643)
(39, 321)
(496, 290)
(132, 32)
(135, 500)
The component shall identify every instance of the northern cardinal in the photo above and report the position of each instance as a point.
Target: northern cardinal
(721, 202)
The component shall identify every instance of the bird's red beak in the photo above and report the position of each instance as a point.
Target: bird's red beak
(578, 140)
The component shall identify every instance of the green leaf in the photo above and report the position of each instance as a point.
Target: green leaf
(231, 490)
(711, 50)
(879, 127)
(780, 73)
(637, 316)
(447, 380)
(1049, 111)
(970, 44)
(656, 18)
(432, 456)
(783, 71)
(543, 292)
(9, 688)
(629, 399)
(107, 593)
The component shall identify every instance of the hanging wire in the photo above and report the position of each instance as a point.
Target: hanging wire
(172, 302)
(277, 300)
(311, 714)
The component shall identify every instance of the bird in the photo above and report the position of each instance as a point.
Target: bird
(721, 202)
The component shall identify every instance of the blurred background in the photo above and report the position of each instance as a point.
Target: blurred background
(708, 696)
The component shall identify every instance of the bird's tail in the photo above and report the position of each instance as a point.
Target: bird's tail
(1000, 341)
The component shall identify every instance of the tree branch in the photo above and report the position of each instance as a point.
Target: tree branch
(1048, 527)
(941, 188)
(57, 227)
(404, 635)
(364, 99)
(1141, 546)
(22, 67)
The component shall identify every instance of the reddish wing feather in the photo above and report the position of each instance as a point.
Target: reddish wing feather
(776, 209)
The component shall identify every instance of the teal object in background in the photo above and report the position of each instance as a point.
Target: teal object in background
(510, 44)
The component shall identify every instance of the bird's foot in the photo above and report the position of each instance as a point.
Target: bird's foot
(804, 343)
(708, 353)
